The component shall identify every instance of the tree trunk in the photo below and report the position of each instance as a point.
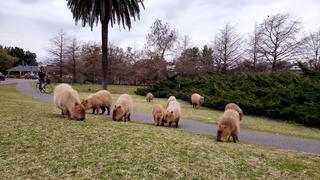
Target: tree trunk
(104, 60)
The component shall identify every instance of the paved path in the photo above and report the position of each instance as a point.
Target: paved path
(263, 138)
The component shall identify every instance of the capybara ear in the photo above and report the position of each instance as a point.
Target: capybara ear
(119, 106)
(171, 112)
(76, 103)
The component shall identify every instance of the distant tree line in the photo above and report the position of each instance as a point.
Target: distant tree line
(14, 56)
(273, 46)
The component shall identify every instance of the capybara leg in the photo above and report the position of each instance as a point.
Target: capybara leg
(234, 137)
(129, 117)
(177, 124)
(103, 109)
(169, 124)
(93, 110)
(108, 108)
(62, 113)
(97, 110)
(65, 113)
(68, 114)
(237, 138)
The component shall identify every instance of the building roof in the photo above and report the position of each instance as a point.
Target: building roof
(26, 68)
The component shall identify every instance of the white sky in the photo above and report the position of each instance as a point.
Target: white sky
(30, 24)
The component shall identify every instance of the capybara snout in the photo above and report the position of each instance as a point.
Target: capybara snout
(79, 112)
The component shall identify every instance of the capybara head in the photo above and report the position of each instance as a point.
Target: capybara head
(78, 112)
(169, 116)
(118, 113)
(201, 101)
(224, 132)
(85, 104)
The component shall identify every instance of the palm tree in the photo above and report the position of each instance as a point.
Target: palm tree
(90, 12)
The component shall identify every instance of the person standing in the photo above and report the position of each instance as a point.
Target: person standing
(42, 78)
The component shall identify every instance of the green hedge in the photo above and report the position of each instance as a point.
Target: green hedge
(286, 96)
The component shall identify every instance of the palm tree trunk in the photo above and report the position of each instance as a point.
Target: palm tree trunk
(104, 60)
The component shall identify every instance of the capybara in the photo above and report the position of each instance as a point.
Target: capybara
(123, 108)
(173, 113)
(158, 114)
(229, 126)
(68, 101)
(99, 100)
(149, 97)
(196, 100)
(234, 107)
(171, 98)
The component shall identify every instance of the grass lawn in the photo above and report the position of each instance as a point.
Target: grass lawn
(207, 115)
(37, 143)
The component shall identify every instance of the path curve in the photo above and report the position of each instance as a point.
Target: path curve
(257, 137)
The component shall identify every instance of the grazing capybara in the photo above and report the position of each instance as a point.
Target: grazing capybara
(68, 101)
(158, 114)
(229, 126)
(234, 107)
(171, 98)
(99, 100)
(149, 97)
(123, 108)
(196, 100)
(173, 113)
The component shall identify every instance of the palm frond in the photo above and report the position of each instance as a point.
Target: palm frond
(91, 12)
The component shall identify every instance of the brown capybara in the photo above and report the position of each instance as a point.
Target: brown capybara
(170, 99)
(158, 114)
(196, 100)
(229, 126)
(68, 101)
(99, 100)
(149, 97)
(173, 113)
(123, 108)
(234, 107)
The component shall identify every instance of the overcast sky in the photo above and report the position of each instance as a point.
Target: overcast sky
(30, 24)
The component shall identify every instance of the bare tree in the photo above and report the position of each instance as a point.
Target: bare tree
(73, 52)
(90, 57)
(254, 57)
(310, 49)
(183, 43)
(58, 52)
(278, 40)
(161, 38)
(227, 49)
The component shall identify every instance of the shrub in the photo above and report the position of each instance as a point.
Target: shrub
(286, 96)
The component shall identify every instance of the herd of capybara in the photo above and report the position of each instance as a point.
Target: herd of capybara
(68, 101)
